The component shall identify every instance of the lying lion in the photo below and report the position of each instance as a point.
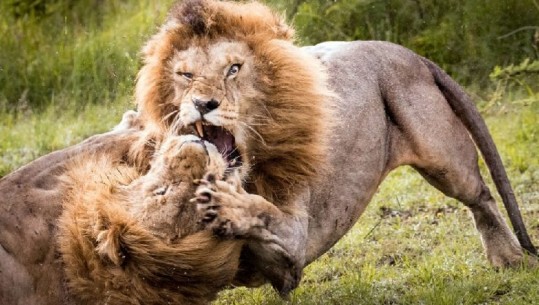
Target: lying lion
(136, 241)
(30, 205)
(123, 237)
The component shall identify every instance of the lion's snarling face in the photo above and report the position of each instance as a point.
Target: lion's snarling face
(159, 200)
(230, 74)
(211, 85)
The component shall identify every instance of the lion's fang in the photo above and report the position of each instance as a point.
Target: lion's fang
(200, 130)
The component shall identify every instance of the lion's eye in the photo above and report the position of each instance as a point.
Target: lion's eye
(186, 75)
(160, 191)
(234, 69)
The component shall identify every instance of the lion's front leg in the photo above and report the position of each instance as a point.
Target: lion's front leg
(276, 238)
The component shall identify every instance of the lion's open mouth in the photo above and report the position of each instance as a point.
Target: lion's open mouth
(222, 139)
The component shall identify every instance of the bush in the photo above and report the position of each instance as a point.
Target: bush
(520, 80)
(466, 37)
(71, 51)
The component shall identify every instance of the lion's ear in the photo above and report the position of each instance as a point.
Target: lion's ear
(109, 244)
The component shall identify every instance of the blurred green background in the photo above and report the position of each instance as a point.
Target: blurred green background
(68, 68)
(86, 51)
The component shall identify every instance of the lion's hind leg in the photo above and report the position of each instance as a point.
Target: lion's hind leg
(431, 137)
(500, 244)
(448, 161)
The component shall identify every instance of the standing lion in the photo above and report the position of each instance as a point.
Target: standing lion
(95, 226)
(314, 131)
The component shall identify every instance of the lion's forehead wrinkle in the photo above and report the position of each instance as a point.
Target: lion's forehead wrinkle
(218, 48)
(188, 60)
(210, 63)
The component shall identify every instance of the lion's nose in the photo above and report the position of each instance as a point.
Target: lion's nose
(205, 106)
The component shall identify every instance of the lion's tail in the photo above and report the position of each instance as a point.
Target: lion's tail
(465, 109)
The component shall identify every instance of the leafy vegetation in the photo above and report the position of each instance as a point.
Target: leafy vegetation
(67, 71)
(73, 53)
(516, 78)
(65, 52)
(467, 37)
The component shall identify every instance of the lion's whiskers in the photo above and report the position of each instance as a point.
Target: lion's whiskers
(254, 132)
(166, 117)
(229, 153)
(175, 125)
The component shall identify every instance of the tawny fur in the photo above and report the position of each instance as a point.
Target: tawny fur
(285, 102)
(114, 246)
(390, 108)
(277, 107)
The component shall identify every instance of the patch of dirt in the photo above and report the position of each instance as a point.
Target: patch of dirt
(386, 212)
(390, 260)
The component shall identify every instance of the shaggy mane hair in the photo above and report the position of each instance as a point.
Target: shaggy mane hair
(294, 99)
(109, 258)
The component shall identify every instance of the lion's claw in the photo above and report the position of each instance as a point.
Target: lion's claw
(224, 228)
(208, 197)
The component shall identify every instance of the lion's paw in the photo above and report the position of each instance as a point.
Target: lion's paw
(510, 257)
(225, 208)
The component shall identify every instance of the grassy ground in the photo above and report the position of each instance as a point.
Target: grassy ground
(24, 137)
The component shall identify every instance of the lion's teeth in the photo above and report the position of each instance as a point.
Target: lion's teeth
(200, 129)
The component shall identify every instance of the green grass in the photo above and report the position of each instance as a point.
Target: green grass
(86, 54)
(68, 74)
(26, 136)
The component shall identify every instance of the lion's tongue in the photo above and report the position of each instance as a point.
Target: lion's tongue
(222, 139)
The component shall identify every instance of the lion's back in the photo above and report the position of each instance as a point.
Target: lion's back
(30, 205)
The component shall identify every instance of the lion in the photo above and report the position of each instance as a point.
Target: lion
(313, 131)
(30, 206)
(126, 239)
(98, 226)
